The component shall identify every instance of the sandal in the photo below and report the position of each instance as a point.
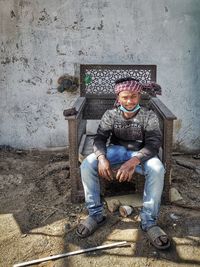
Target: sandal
(89, 226)
(155, 232)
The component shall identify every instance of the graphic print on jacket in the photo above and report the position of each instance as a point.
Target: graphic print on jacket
(140, 133)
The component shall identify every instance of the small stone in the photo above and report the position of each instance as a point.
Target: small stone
(132, 245)
(113, 205)
(174, 225)
(175, 195)
(24, 235)
(174, 216)
(125, 210)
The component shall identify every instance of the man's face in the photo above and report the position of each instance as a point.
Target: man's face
(128, 99)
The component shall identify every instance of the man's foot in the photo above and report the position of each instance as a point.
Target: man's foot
(158, 237)
(89, 226)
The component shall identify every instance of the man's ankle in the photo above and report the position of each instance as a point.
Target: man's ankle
(98, 217)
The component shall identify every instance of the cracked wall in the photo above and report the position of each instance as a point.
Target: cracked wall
(42, 40)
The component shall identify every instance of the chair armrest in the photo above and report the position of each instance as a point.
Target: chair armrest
(76, 129)
(75, 111)
(162, 109)
(166, 118)
(166, 122)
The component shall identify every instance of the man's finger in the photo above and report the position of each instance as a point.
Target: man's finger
(122, 177)
(130, 177)
(110, 175)
(104, 175)
(118, 174)
(126, 176)
(100, 173)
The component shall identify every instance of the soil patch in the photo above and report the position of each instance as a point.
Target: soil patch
(38, 219)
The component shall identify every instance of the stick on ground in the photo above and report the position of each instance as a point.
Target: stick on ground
(54, 257)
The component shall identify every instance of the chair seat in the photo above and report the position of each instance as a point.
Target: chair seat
(109, 188)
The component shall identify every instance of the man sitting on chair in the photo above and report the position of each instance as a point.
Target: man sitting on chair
(135, 139)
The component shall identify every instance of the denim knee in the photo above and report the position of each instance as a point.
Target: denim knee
(155, 166)
(84, 164)
(89, 161)
(158, 170)
(89, 167)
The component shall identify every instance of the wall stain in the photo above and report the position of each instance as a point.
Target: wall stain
(24, 60)
(58, 50)
(3, 48)
(72, 27)
(6, 61)
(12, 14)
(126, 49)
(101, 26)
(27, 81)
(44, 18)
(14, 59)
(80, 52)
(24, 3)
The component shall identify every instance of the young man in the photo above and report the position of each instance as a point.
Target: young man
(135, 138)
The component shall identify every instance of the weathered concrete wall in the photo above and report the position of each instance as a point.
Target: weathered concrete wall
(41, 40)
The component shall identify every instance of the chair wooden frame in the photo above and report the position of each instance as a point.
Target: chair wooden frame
(94, 100)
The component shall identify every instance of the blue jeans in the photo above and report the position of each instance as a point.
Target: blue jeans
(154, 179)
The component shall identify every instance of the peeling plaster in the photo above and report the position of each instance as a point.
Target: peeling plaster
(42, 40)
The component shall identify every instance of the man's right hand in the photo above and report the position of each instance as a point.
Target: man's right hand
(104, 168)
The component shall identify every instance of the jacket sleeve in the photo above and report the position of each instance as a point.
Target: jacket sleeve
(152, 138)
(103, 133)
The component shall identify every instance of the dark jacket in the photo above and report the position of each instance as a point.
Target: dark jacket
(140, 133)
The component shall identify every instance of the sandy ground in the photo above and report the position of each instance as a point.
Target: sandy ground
(37, 218)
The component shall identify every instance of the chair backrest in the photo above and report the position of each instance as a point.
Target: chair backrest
(97, 84)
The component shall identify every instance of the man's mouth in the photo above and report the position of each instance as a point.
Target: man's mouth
(130, 107)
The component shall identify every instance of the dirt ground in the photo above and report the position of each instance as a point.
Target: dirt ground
(37, 218)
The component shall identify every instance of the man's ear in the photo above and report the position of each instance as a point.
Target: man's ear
(117, 100)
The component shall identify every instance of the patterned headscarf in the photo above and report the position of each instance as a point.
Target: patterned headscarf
(150, 88)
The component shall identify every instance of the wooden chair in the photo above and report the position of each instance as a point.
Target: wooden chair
(96, 96)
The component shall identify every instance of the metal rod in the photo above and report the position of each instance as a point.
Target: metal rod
(54, 257)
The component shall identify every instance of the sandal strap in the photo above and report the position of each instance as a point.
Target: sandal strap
(155, 232)
(89, 223)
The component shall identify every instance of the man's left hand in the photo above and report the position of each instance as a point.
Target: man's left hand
(127, 169)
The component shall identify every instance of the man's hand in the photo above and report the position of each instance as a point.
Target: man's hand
(127, 169)
(104, 168)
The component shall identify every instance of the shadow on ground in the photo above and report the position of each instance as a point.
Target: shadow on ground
(38, 219)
